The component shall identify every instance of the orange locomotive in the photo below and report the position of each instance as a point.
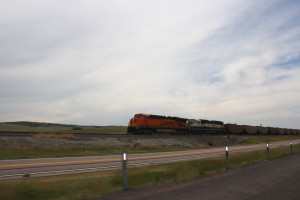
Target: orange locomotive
(148, 124)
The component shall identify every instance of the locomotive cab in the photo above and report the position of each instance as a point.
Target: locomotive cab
(135, 123)
(138, 116)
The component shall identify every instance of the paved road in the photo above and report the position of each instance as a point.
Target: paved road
(22, 168)
(273, 180)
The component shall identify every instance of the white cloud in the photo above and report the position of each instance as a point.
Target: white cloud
(99, 62)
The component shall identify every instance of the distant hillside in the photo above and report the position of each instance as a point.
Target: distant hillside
(43, 127)
(45, 124)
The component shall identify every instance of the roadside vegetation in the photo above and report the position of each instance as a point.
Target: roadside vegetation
(40, 151)
(269, 139)
(6, 153)
(90, 185)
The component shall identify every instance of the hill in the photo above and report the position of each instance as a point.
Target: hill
(44, 127)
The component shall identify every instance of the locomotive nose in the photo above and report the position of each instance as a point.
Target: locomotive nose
(131, 123)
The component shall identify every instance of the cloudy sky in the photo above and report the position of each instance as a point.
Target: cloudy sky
(98, 62)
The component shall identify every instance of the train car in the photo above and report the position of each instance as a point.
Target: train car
(250, 129)
(233, 129)
(149, 124)
(202, 126)
(296, 132)
(262, 130)
(281, 131)
(273, 131)
(288, 131)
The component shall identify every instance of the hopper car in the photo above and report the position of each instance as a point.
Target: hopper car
(148, 124)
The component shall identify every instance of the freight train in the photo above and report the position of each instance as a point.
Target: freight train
(151, 124)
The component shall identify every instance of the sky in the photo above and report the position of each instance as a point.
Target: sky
(98, 62)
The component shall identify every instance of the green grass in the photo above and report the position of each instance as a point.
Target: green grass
(161, 174)
(269, 139)
(35, 127)
(10, 153)
(89, 185)
(80, 186)
(103, 130)
(23, 128)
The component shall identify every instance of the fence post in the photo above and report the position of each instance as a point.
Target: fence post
(291, 145)
(124, 170)
(226, 158)
(268, 152)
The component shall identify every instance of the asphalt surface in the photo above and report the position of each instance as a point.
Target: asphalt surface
(273, 180)
(24, 168)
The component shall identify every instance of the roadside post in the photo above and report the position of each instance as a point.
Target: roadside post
(226, 158)
(268, 152)
(124, 170)
(291, 145)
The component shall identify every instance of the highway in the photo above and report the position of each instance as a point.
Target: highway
(24, 168)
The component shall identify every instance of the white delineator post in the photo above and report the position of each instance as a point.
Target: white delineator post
(124, 170)
(227, 157)
(268, 151)
(291, 145)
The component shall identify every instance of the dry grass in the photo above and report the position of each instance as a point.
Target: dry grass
(53, 135)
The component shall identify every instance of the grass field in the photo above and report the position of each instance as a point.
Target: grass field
(84, 151)
(34, 127)
(269, 139)
(61, 151)
(89, 185)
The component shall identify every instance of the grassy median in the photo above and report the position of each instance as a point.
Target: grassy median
(89, 185)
